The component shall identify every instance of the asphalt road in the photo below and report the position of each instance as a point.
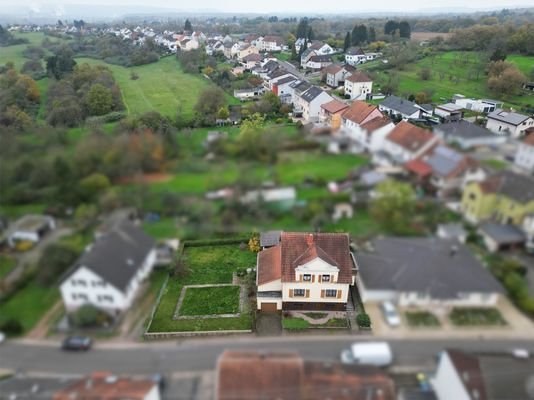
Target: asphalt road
(201, 355)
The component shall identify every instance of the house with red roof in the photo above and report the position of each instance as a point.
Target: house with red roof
(404, 143)
(366, 126)
(358, 86)
(305, 271)
(332, 112)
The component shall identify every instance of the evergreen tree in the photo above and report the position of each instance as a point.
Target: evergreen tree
(302, 29)
(390, 27)
(354, 36)
(405, 31)
(348, 41)
(372, 34)
(311, 34)
(188, 26)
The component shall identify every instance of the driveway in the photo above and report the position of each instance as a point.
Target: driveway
(518, 324)
(268, 324)
(33, 255)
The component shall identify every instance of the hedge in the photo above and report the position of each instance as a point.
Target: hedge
(215, 242)
(111, 117)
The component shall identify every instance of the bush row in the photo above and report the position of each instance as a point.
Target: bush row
(215, 242)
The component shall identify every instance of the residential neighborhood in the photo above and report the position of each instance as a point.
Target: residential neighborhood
(240, 205)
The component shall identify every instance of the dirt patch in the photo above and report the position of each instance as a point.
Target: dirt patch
(422, 36)
(145, 178)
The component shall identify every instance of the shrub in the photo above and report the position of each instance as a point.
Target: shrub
(88, 316)
(12, 327)
(103, 119)
(363, 320)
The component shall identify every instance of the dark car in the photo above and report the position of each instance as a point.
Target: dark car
(159, 379)
(77, 343)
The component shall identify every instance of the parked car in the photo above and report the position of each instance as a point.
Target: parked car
(2, 337)
(390, 313)
(77, 343)
(371, 353)
(159, 379)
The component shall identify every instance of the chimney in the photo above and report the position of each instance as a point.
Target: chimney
(310, 239)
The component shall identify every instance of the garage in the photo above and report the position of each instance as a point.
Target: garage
(268, 307)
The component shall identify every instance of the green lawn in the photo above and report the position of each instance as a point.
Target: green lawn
(15, 211)
(496, 164)
(28, 305)
(206, 265)
(295, 324)
(14, 53)
(7, 264)
(462, 65)
(210, 301)
(165, 228)
(162, 86)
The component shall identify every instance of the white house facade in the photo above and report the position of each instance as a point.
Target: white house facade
(524, 157)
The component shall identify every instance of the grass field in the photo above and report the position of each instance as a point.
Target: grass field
(162, 87)
(210, 301)
(29, 305)
(206, 265)
(7, 264)
(14, 53)
(455, 64)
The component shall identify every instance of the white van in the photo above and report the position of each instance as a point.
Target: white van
(370, 353)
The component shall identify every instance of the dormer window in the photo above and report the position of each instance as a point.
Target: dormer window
(307, 278)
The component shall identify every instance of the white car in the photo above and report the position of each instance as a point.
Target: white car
(390, 313)
(2, 337)
(368, 353)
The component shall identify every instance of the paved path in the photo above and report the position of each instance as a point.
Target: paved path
(31, 257)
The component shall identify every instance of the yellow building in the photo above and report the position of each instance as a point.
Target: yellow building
(506, 197)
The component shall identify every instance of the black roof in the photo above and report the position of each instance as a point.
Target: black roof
(402, 106)
(442, 268)
(321, 58)
(463, 129)
(118, 255)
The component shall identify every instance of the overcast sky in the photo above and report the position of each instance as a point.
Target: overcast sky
(280, 6)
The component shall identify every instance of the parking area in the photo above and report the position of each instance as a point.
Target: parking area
(517, 324)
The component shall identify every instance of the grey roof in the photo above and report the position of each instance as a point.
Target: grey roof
(506, 377)
(508, 117)
(277, 73)
(118, 255)
(311, 94)
(286, 80)
(270, 238)
(301, 86)
(424, 265)
(355, 51)
(306, 53)
(271, 65)
(516, 186)
(463, 129)
(372, 178)
(444, 160)
(502, 234)
(402, 106)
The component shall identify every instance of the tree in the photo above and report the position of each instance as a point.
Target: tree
(61, 63)
(391, 27)
(422, 98)
(93, 185)
(54, 261)
(393, 204)
(425, 73)
(348, 41)
(505, 78)
(302, 29)
(372, 34)
(208, 105)
(88, 316)
(187, 26)
(223, 113)
(85, 215)
(311, 34)
(99, 100)
(405, 31)
(254, 244)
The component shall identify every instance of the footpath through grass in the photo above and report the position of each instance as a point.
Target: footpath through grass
(206, 265)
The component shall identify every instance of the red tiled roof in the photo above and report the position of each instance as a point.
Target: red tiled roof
(334, 106)
(409, 136)
(334, 245)
(419, 168)
(333, 69)
(376, 123)
(359, 111)
(254, 375)
(358, 76)
(269, 265)
(103, 386)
